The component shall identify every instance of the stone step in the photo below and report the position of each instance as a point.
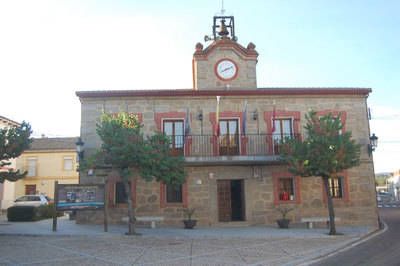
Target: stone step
(233, 224)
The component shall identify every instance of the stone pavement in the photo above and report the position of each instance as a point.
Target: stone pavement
(34, 243)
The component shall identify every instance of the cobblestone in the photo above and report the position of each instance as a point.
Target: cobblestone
(34, 243)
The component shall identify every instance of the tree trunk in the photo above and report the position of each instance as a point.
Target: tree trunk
(131, 211)
(332, 227)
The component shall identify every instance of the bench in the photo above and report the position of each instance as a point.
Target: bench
(151, 219)
(310, 220)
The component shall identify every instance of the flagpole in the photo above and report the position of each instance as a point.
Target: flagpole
(273, 117)
(244, 121)
(217, 116)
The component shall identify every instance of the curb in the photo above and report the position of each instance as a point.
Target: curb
(347, 246)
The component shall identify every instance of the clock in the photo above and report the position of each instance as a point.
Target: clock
(226, 69)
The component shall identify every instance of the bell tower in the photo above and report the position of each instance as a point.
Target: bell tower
(224, 63)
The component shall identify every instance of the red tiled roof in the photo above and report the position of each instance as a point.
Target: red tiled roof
(53, 144)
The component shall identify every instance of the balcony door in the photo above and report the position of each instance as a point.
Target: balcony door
(174, 129)
(283, 129)
(229, 137)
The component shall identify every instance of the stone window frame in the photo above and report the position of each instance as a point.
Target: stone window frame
(177, 193)
(335, 113)
(269, 116)
(111, 187)
(174, 146)
(159, 117)
(345, 189)
(226, 115)
(163, 197)
(297, 188)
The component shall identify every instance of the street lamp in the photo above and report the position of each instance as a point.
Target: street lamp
(373, 144)
(79, 148)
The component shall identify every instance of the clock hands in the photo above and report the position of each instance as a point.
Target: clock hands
(225, 69)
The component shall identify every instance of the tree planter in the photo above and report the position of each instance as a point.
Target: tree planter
(189, 224)
(283, 223)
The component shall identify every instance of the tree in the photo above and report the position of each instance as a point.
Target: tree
(325, 152)
(13, 141)
(125, 150)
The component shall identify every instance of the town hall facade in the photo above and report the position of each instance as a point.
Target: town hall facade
(228, 131)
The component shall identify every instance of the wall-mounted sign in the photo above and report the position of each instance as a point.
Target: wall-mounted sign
(78, 197)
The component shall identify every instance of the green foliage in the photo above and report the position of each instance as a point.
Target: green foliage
(326, 151)
(13, 141)
(31, 213)
(125, 149)
(188, 213)
(21, 213)
(381, 179)
(122, 142)
(284, 210)
(157, 162)
(47, 211)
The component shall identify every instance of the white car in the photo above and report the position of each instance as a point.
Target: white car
(31, 200)
(383, 196)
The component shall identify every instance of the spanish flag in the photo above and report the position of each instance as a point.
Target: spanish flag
(273, 119)
(217, 117)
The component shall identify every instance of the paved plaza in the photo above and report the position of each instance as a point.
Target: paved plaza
(34, 243)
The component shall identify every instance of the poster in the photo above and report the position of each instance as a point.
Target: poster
(78, 197)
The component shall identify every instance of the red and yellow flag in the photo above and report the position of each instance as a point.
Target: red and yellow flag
(217, 116)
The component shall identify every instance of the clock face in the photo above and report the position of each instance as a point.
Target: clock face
(226, 69)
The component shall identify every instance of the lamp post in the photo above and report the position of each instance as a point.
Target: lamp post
(79, 148)
(373, 144)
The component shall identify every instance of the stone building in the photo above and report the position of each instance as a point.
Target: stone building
(228, 130)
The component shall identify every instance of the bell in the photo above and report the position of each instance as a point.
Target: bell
(224, 31)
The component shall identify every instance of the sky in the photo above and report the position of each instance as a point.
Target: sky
(51, 49)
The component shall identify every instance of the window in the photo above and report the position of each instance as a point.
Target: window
(229, 137)
(174, 193)
(335, 114)
(30, 189)
(336, 187)
(286, 190)
(174, 129)
(31, 166)
(120, 194)
(68, 163)
(283, 129)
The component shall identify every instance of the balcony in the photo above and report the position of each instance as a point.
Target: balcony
(229, 149)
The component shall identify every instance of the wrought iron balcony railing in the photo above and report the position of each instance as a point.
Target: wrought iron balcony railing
(227, 145)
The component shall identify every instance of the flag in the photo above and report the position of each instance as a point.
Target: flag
(244, 118)
(187, 123)
(273, 120)
(217, 116)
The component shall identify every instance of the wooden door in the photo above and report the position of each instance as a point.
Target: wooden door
(30, 189)
(224, 200)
